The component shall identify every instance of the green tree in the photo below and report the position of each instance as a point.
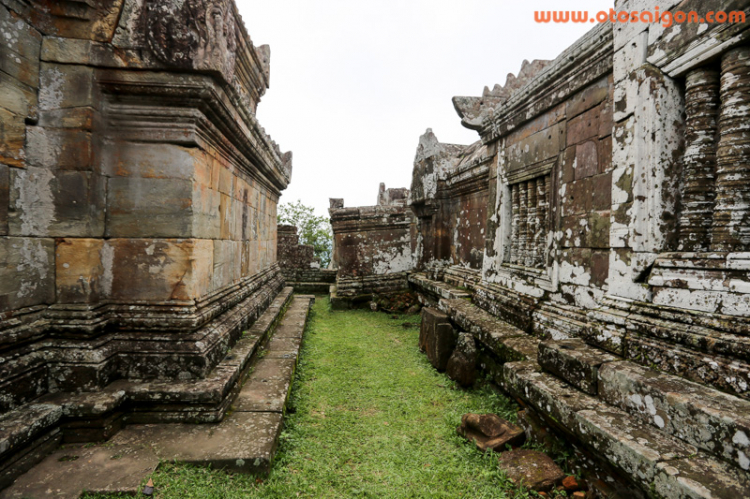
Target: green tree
(312, 229)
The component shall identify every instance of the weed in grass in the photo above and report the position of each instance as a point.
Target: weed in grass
(372, 419)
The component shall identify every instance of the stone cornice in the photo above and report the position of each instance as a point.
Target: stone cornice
(582, 63)
(149, 102)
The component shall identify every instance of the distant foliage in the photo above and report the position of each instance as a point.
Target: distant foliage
(313, 230)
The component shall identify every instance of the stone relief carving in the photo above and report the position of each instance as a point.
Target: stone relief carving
(192, 34)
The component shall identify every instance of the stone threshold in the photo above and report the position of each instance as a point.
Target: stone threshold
(244, 441)
(671, 437)
(98, 415)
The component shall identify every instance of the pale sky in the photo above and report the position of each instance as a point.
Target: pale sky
(354, 84)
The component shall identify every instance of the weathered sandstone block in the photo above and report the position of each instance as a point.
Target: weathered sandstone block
(490, 431)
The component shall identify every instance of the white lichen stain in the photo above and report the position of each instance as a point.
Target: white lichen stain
(107, 256)
(33, 266)
(51, 83)
(34, 200)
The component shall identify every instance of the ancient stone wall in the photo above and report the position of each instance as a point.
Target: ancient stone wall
(616, 207)
(449, 196)
(374, 246)
(138, 192)
(616, 248)
(299, 266)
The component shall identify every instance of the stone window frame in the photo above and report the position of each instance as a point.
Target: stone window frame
(543, 277)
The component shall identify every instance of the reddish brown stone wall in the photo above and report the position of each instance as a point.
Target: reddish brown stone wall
(374, 248)
(450, 194)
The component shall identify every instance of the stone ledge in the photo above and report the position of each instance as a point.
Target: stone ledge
(205, 400)
(575, 362)
(644, 454)
(713, 421)
(653, 460)
(436, 288)
(245, 441)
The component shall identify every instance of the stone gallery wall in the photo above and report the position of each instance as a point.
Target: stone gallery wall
(374, 246)
(138, 191)
(616, 250)
(617, 204)
(300, 267)
(449, 197)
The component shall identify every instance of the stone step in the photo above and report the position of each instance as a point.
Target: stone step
(438, 288)
(575, 362)
(311, 287)
(714, 421)
(507, 342)
(244, 441)
(95, 416)
(608, 420)
(660, 464)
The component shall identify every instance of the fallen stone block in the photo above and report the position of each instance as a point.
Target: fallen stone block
(462, 365)
(489, 431)
(531, 468)
(437, 338)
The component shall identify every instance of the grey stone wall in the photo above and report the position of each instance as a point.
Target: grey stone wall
(138, 192)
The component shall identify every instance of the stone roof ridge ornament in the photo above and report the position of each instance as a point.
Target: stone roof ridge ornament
(193, 34)
(286, 165)
(474, 110)
(429, 145)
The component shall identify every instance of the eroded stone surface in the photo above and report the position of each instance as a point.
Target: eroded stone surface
(462, 364)
(75, 468)
(575, 362)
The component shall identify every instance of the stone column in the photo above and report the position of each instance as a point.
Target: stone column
(532, 224)
(731, 223)
(699, 170)
(523, 225)
(541, 213)
(515, 223)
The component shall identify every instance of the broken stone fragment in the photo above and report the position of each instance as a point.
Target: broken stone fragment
(463, 363)
(437, 338)
(570, 483)
(489, 431)
(531, 468)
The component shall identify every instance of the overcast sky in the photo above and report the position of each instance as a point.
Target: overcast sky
(355, 83)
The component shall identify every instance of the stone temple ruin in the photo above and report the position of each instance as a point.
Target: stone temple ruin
(138, 194)
(590, 253)
(595, 244)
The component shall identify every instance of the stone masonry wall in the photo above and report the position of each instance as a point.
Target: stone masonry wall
(617, 204)
(298, 264)
(138, 192)
(449, 195)
(374, 247)
(617, 214)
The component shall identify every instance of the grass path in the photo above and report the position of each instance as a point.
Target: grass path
(369, 418)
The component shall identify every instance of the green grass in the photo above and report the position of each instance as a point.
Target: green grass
(369, 417)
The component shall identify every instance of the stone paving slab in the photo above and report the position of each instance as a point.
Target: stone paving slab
(244, 442)
(268, 387)
(283, 345)
(73, 469)
(289, 331)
